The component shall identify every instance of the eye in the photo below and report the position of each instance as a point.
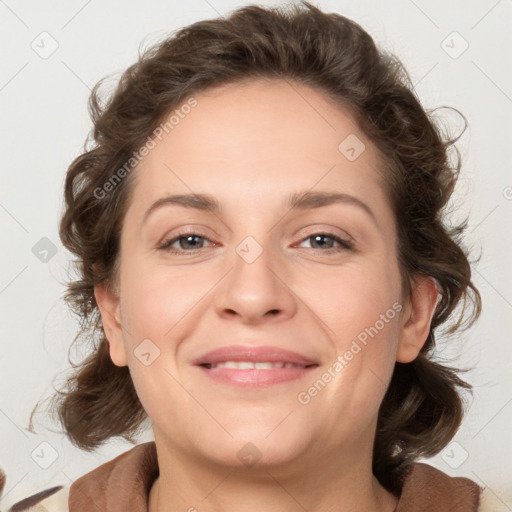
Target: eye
(319, 240)
(187, 242)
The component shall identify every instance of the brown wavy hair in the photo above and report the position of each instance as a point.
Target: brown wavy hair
(424, 404)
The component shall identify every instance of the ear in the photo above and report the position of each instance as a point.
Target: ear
(416, 319)
(108, 304)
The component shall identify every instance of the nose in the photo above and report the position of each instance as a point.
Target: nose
(255, 291)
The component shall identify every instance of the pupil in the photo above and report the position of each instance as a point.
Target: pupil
(188, 238)
(320, 237)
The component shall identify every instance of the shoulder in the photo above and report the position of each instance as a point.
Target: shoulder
(124, 482)
(425, 487)
(127, 478)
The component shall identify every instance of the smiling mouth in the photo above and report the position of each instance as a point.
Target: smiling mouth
(255, 366)
(249, 365)
(255, 375)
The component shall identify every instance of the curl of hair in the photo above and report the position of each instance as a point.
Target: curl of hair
(423, 407)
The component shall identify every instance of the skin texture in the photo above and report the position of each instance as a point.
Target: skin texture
(250, 145)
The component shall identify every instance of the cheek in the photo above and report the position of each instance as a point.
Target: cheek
(365, 325)
(360, 316)
(156, 298)
(353, 300)
(155, 301)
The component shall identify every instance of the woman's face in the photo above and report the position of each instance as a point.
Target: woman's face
(319, 279)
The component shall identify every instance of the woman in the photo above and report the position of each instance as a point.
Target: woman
(263, 257)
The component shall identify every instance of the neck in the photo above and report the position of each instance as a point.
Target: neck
(331, 482)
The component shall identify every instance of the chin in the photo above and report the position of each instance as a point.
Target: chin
(254, 448)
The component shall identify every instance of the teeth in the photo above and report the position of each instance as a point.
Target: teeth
(248, 365)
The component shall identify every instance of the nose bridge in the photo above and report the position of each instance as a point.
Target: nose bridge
(256, 283)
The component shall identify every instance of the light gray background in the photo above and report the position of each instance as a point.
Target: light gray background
(45, 122)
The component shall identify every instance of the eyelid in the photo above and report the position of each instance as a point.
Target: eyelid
(326, 229)
(345, 243)
(167, 241)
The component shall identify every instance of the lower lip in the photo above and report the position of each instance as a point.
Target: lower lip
(254, 378)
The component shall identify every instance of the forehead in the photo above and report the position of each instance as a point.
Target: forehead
(257, 140)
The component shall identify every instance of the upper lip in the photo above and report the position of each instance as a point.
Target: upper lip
(254, 354)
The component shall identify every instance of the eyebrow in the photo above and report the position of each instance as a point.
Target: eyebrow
(296, 201)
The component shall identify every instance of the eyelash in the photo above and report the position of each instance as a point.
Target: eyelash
(165, 246)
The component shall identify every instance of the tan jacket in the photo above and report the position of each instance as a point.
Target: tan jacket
(123, 484)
